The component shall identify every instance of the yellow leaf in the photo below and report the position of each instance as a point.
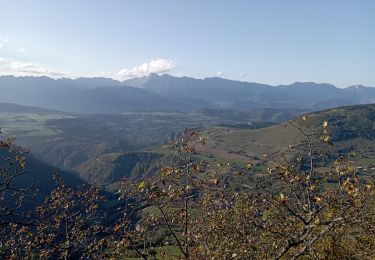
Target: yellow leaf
(141, 186)
(214, 181)
(117, 227)
(167, 171)
(317, 199)
(282, 198)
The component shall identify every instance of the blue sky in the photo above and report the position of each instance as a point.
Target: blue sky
(275, 42)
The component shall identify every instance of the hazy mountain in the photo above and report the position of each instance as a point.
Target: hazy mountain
(165, 92)
(216, 92)
(15, 108)
(90, 95)
(225, 93)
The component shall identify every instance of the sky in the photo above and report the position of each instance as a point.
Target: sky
(274, 42)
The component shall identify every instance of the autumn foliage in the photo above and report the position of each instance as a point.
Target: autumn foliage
(311, 206)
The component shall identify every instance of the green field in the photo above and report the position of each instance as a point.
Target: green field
(28, 124)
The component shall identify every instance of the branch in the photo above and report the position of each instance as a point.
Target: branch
(171, 230)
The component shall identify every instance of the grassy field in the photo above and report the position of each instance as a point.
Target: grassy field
(28, 124)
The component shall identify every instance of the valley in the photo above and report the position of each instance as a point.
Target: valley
(103, 148)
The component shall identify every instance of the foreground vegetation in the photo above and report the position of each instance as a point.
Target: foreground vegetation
(313, 204)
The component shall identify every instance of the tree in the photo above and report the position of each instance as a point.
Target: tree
(13, 195)
(64, 226)
(169, 200)
(310, 200)
(315, 199)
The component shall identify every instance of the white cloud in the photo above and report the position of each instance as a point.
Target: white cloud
(155, 66)
(220, 73)
(243, 74)
(20, 68)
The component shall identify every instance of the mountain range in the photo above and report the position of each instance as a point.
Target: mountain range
(168, 93)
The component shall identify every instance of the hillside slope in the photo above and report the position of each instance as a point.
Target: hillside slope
(39, 176)
(108, 170)
(349, 128)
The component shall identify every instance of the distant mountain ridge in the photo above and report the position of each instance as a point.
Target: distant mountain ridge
(15, 108)
(88, 95)
(169, 93)
(225, 93)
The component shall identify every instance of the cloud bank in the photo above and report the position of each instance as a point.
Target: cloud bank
(19, 68)
(155, 66)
